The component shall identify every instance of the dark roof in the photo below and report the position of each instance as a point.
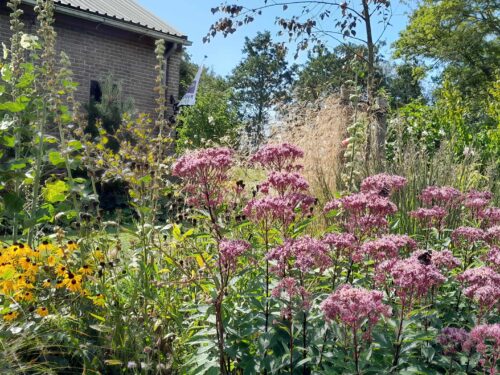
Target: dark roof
(126, 11)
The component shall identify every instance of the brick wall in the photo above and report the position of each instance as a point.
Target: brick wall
(96, 50)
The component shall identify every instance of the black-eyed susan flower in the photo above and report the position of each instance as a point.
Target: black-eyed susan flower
(59, 283)
(85, 270)
(10, 316)
(72, 245)
(74, 283)
(47, 283)
(61, 270)
(51, 261)
(42, 311)
(45, 247)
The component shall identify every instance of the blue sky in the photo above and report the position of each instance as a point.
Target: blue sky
(193, 17)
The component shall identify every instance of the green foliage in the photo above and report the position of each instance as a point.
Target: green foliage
(460, 34)
(214, 117)
(109, 111)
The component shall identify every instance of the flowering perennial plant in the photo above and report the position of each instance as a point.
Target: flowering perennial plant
(204, 172)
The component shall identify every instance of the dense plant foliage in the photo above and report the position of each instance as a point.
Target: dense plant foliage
(207, 271)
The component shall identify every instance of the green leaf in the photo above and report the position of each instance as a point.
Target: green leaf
(12, 106)
(54, 192)
(13, 202)
(56, 158)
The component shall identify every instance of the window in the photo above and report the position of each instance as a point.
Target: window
(95, 91)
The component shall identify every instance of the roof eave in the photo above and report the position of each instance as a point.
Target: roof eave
(124, 25)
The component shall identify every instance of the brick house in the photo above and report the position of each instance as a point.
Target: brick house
(103, 37)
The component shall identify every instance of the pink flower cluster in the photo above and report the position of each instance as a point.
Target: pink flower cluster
(493, 258)
(485, 338)
(477, 200)
(444, 259)
(452, 339)
(467, 234)
(386, 247)
(280, 157)
(411, 277)
(204, 173)
(355, 306)
(365, 211)
(269, 209)
(491, 215)
(441, 195)
(430, 217)
(340, 240)
(308, 253)
(383, 183)
(230, 250)
(483, 286)
(284, 182)
(288, 289)
(493, 234)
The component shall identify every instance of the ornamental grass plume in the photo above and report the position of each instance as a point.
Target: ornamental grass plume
(279, 157)
(483, 287)
(204, 173)
(485, 339)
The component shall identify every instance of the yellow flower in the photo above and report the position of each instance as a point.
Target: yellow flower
(42, 311)
(85, 270)
(51, 261)
(73, 282)
(24, 296)
(61, 270)
(45, 246)
(47, 283)
(11, 315)
(99, 255)
(59, 284)
(72, 245)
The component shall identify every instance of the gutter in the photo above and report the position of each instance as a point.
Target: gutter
(124, 25)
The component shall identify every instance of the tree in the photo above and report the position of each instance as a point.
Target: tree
(261, 79)
(326, 71)
(213, 117)
(459, 35)
(403, 84)
(308, 25)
